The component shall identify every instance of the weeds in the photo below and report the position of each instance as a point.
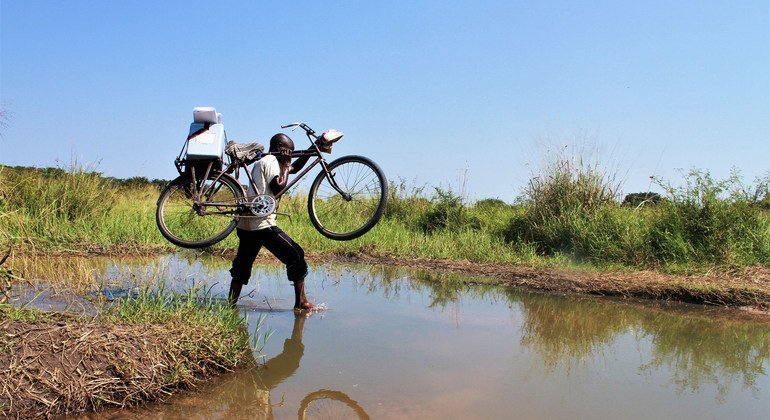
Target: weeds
(568, 208)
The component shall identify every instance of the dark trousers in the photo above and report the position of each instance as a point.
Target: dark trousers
(278, 243)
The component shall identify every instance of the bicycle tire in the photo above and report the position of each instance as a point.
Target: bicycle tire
(340, 219)
(334, 404)
(184, 224)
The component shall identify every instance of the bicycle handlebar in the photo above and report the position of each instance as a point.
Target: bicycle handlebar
(309, 131)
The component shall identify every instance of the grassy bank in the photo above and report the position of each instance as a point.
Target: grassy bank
(570, 214)
(138, 350)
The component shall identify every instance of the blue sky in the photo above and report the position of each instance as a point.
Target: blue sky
(437, 92)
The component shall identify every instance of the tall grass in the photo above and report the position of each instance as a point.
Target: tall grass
(52, 205)
(570, 209)
(573, 209)
(569, 212)
(712, 220)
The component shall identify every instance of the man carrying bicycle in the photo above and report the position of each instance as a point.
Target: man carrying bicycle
(270, 175)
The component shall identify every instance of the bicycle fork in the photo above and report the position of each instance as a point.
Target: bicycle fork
(333, 182)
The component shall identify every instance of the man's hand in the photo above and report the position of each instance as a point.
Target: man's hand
(279, 182)
(284, 156)
(323, 145)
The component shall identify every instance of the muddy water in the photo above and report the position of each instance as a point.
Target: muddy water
(404, 344)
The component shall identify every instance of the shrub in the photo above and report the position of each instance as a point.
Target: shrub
(710, 220)
(447, 212)
(560, 207)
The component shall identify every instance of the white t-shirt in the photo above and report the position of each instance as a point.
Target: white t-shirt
(262, 173)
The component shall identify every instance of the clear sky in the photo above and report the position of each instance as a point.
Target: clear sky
(434, 91)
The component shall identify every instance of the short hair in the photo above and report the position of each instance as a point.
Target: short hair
(281, 140)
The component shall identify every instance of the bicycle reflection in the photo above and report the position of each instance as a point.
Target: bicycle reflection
(251, 392)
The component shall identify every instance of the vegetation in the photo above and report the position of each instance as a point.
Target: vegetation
(569, 213)
(141, 348)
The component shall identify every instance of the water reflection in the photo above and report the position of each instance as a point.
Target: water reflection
(698, 348)
(413, 344)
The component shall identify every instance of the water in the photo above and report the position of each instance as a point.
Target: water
(404, 344)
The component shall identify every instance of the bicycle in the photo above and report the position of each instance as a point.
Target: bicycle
(203, 205)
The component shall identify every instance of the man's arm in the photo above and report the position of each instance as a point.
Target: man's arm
(301, 161)
(278, 183)
(284, 159)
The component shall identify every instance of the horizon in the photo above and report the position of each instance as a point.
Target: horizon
(468, 97)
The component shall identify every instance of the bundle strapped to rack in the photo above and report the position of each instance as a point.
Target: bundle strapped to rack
(247, 153)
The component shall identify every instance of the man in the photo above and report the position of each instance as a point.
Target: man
(270, 175)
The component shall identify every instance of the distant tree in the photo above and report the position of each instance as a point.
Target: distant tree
(641, 198)
(490, 203)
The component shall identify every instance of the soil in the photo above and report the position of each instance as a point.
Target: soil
(748, 288)
(62, 365)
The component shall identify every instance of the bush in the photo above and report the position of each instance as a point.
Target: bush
(447, 213)
(561, 205)
(709, 220)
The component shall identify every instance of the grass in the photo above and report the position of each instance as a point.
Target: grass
(219, 330)
(140, 348)
(569, 214)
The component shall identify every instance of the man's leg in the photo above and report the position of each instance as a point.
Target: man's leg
(249, 245)
(291, 254)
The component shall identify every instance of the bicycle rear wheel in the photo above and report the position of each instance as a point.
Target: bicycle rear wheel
(196, 225)
(329, 404)
(350, 214)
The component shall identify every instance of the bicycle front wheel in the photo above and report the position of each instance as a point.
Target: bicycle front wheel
(192, 223)
(349, 199)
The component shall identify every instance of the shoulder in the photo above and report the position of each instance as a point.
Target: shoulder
(268, 162)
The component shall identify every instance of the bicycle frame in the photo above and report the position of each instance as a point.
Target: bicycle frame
(198, 194)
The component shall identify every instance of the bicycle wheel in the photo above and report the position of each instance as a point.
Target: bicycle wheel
(196, 225)
(328, 404)
(347, 216)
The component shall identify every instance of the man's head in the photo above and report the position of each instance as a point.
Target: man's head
(281, 141)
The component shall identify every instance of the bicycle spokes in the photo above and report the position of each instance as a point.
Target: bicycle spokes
(348, 199)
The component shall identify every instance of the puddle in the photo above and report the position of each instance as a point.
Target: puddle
(394, 343)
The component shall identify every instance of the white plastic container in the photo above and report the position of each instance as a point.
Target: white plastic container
(206, 114)
(208, 144)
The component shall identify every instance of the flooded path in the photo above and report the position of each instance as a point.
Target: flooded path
(407, 344)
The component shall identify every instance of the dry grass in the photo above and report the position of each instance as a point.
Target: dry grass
(59, 364)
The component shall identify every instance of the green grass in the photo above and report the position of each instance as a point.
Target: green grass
(218, 328)
(569, 214)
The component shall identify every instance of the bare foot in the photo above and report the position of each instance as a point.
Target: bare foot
(304, 306)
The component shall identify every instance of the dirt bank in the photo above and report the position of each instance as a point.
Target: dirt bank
(59, 364)
(748, 287)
